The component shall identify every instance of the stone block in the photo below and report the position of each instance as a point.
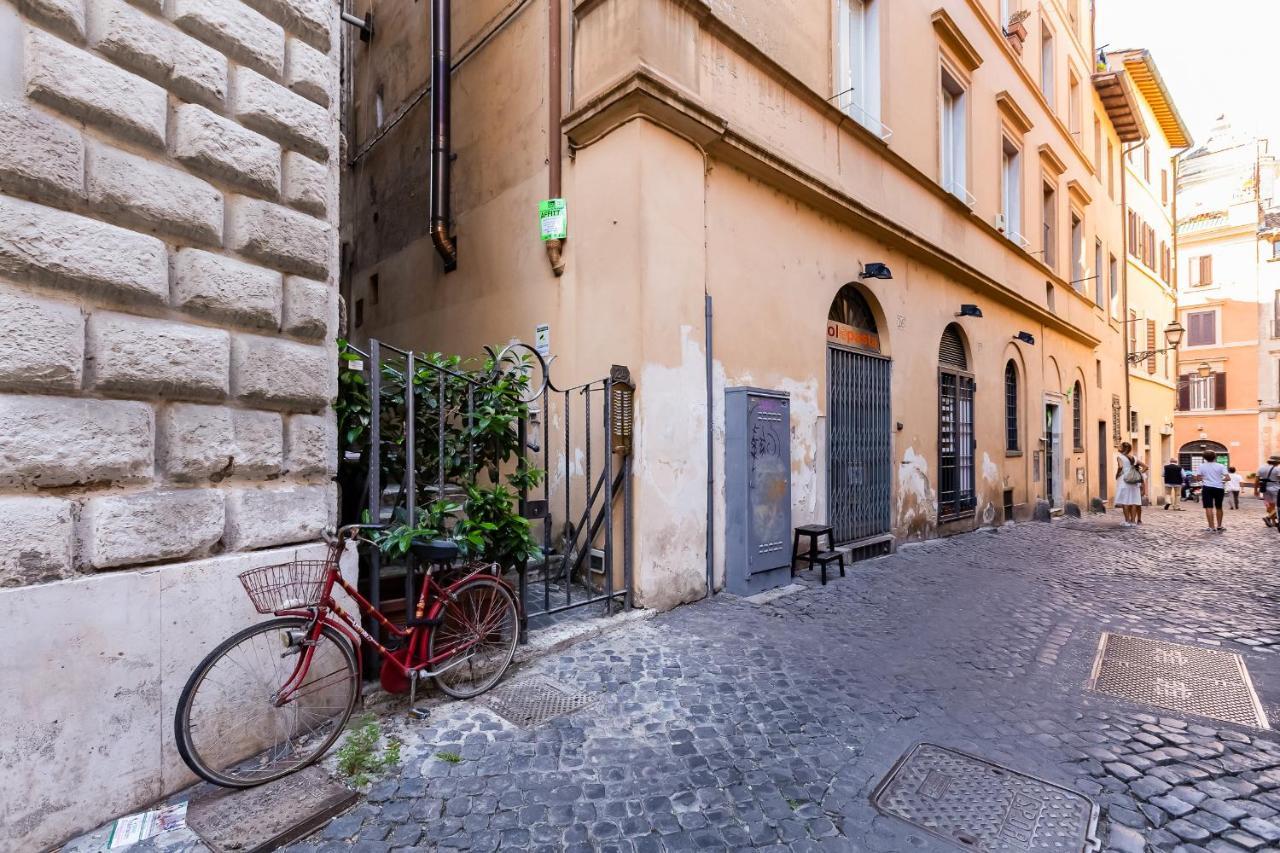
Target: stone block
(279, 237)
(1097, 505)
(1041, 512)
(236, 30)
(141, 355)
(311, 19)
(65, 17)
(311, 445)
(93, 90)
(147, 194)
(308, 306)
(128, 530)
(270, 108)
(35, 540)
(260, 518)
(307, 71)
(306, 184)
(43, 157)
(43, 342)
(1071, 509)
(214, 146)
(259, 449)
(280, 373)
(157, 51)
(64, 441)
(62, 249)
(195, 442)
(219, 286)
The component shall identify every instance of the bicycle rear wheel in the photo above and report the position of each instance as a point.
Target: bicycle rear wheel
(228, 728)
(480, 627)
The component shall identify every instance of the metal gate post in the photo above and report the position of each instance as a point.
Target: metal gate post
(375, 485)
(523, 568)
(608, 497)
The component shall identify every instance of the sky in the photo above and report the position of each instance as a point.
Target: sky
(1216, 56)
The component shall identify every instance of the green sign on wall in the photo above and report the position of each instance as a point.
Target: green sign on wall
(553, 219)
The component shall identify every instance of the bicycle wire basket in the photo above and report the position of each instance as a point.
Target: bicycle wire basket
(287, 586)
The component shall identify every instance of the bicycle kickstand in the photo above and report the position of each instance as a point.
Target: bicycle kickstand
(414, 711)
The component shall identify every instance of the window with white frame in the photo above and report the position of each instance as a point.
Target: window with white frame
(1077, 251)
(1200, 271)
(1201, 393)
(952, 134)
(858, 51)
(1011, 190)
(1074, 116)
(1046, 63)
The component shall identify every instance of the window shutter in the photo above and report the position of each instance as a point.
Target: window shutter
(1219, 391)
(1151, 346)
(1206, 269)
(1184, 392)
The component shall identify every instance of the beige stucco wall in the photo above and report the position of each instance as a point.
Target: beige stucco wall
(703, 156)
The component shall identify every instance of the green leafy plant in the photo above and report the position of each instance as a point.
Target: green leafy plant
(465, 430)
(359, 757)
(451, 757)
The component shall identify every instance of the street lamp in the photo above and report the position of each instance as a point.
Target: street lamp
(1173, 336)
(1204, 371)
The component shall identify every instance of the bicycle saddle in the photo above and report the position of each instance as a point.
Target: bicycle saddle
(434, 551)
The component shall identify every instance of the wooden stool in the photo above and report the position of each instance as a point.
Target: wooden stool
(814, 532)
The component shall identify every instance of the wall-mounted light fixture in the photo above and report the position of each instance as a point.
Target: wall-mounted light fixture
(876, 270)
(1026, 338)
(967, 310)
(1172, 335)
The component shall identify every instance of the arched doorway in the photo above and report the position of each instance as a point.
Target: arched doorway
(957, 495)
(1191, 454)
(859, 428)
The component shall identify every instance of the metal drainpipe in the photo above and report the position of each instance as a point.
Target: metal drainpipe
(1124, 288)
(440, 153)
(554, 247)
(711, 471)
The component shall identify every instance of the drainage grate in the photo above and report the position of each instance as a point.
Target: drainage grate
(983, 806)
(533, 701)
(1204, 682)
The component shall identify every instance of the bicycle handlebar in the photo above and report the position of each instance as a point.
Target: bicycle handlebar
(347, 532)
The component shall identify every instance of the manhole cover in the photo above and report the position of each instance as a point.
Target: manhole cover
(983, 806)
(1204, 682)
(533, 701)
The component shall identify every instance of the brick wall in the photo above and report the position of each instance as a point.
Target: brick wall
(168, 180)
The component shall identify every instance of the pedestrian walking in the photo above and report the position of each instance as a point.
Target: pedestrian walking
(1128, 484)
(1267, 487)
(1213, 488)
(1173, 485)
(1234, 483)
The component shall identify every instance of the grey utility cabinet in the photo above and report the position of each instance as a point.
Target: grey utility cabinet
(757, 484)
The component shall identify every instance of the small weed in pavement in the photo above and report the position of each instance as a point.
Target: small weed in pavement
(451, 757)
(358, 757)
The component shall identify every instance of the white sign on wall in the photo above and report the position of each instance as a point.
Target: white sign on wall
(542, 339)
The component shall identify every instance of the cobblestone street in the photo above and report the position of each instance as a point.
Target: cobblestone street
(730, 724)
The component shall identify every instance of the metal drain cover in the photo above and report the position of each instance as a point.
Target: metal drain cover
(1204, 682)
(984, 806)
(533, 701)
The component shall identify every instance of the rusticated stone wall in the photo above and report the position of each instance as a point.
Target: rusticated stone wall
(168, 204)
(167, 246)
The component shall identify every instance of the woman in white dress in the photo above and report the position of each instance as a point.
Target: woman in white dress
(1128, 484)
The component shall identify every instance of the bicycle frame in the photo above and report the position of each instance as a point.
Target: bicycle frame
(431, 601)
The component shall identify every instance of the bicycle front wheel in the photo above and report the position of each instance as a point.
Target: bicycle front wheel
(479, 630)
(230, 728)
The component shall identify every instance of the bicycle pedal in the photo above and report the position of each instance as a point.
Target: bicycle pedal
(419, 713)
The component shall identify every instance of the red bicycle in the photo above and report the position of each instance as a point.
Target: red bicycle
(273, 698)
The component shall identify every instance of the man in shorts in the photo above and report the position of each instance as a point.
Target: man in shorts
(1213, 488)
(1267, 486)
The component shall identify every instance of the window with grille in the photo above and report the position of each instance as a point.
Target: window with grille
(1011, 437)
(1077, 417)
(956, 474)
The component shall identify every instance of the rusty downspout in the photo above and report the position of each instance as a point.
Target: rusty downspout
(440, 153)
(554, 248)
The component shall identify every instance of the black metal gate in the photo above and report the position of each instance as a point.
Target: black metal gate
(859, 444)
(580, 509)
(956, 494)
(581, 436)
